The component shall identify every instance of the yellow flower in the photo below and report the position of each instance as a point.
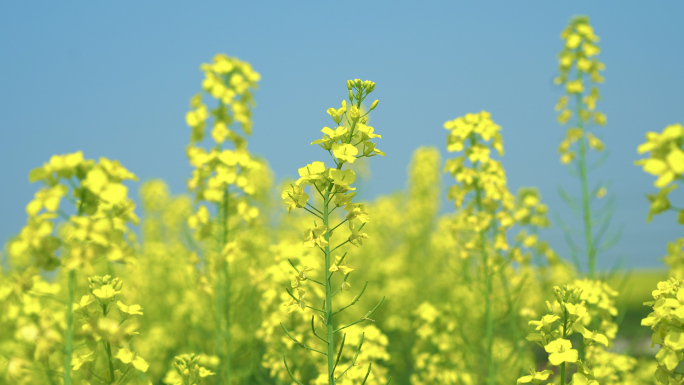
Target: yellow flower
(345, 152)
(561, 351)
(314, 236)
(343, 267)
(131, 310)
(297, 304)
(127, 357)
(534, 377)
(300, 277)
(311, 173)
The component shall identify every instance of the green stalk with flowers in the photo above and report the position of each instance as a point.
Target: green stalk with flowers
(221, 177)
(579, 54)
(488, 211)
(346, 143)
(96, 232)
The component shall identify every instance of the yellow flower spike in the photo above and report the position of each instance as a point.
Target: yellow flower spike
(560, 350)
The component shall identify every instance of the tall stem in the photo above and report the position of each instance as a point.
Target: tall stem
(565, 328)
(328, 292)
(489, 321)
(69, 337)
(69, 343)
(222, 284)
(586, 209)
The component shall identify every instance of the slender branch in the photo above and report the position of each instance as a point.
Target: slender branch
(338, 225)
(370, 364)
(353, 359)
(365, 318)
(354, 300)
(317, 210)
(340, 245)
(290, 373)
(300, 343)
(314, 330)
(312, 212)
(339, 354)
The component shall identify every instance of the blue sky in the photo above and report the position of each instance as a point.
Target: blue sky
(115, 79)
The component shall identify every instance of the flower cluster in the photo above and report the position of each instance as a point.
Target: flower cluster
(568, 314)
(97, 228)
(350, 139)
(217, 170)
(579, 54)
(485, 180)
(99, 330)
(667, 321)
(189, 370)
(666, 161)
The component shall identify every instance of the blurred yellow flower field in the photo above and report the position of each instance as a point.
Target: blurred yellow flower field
(245, 280)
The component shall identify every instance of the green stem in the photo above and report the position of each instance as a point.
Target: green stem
(565, 330)
(69, 343)
(489, 320)
(109, 360)
(328, 294)
(582, 171)
(222, 292)
(69, 337)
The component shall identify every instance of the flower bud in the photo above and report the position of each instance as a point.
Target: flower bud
(349, 85)
(549, 307)
(366, 84)
(375, 104)
(358, 83)
(351, 96)
(372, 87)
(354, 114)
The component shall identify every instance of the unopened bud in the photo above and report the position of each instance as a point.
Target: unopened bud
(372, 87)
(350, 84)
(549, 307)
(351, 96)
(358, 83)
(366, 83)
(375, 104)
(559, 298)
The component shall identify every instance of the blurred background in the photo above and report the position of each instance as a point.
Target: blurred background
(115, 80)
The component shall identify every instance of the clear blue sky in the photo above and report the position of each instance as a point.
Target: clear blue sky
(114, 79)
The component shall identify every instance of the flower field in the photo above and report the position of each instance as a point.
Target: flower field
(246, 280)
